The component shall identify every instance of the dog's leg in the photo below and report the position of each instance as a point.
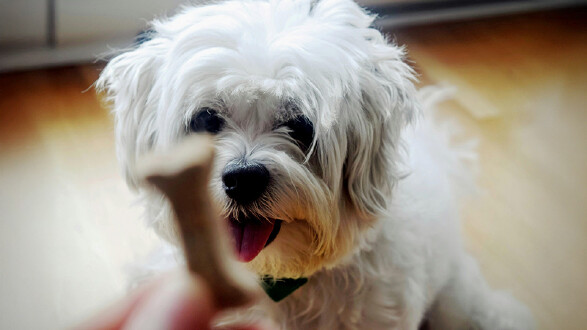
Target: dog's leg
(413, 315)
(467, 302)
(412, 319)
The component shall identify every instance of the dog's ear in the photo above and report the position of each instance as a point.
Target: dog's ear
(384, 103)
(128, 82)
(388, 103)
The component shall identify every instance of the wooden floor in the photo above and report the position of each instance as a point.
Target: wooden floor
(522, 90)
(68, 225)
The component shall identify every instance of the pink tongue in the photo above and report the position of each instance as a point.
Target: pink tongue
(250, 237)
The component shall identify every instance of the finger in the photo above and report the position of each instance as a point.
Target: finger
(182, 302)
(114, 316)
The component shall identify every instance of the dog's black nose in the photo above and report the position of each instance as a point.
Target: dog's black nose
(245, 182)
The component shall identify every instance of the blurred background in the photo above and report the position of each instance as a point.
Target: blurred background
(37, 33)
(69, 228)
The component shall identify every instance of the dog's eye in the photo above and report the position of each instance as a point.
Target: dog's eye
(302, 130)
(207, 120)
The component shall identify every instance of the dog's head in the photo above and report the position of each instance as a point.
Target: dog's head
(306, 102)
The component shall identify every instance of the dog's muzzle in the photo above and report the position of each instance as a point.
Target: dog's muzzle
(244, 183)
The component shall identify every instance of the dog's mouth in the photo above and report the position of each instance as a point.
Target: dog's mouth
(251, 235)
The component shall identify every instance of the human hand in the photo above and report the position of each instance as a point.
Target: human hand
(177, 301)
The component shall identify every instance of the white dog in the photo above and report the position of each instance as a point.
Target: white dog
(316, 172)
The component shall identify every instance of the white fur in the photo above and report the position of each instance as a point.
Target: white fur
(369, 212)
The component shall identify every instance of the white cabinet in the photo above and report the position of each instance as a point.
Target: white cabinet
(23, 23)
(89, 21)
(37, 33)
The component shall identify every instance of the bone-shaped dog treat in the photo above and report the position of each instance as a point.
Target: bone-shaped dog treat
(182, 174)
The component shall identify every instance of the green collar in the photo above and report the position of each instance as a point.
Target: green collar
(280, 288)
